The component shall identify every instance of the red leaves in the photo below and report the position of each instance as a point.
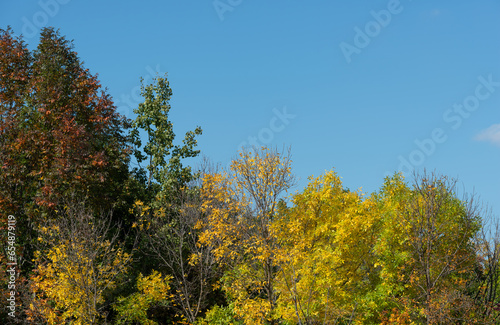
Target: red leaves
(55, 122)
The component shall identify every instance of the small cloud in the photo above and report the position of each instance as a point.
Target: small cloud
(491, 134)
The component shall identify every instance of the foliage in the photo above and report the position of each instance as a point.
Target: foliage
(426, 249)
(165, 166)
(172, 241)
(152, 289)
(58, 124)
(324, 256)
(167, 218)
(81, 260)
(220, 315)
(239, 211)
(220, 247)
(60, 135)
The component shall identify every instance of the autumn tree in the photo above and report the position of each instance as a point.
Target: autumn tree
(426, 249)
(172, 242)
(69, 134)
(80, 258)
(60, 134)
(152, 289)
(15, 69)
(324, 256)
(15, 74)
(240, 208)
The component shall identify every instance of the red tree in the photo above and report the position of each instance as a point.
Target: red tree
(60, 136)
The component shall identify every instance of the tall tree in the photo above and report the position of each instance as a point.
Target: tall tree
(60, 131)
(240, 208)
(172, 208)
(427, 250)
(60, 135)
(15, 70)
(325, 240)
(165, 158)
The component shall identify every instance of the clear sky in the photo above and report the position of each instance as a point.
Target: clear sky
(365, 87)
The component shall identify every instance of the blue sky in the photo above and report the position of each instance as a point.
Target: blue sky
(365, 87)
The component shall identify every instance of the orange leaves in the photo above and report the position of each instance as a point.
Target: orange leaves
(58, 123)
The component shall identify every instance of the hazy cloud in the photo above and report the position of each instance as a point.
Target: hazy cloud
(491, 134)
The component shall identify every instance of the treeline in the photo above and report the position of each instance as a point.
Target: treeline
(95, 241)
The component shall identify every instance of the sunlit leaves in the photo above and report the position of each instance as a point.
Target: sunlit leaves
(165, 165)
(426, 248)
(325, 241)
(80, 258)
(151, 289)
(240, 207)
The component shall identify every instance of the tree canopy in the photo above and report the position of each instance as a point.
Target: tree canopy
(91, 240)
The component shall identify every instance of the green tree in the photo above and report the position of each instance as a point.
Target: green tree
(427, 250)
(152, 289)
(165, 159)
(171, 210)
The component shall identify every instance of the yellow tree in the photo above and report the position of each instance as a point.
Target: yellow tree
(81, 259)
(240, 208)
(325, 242)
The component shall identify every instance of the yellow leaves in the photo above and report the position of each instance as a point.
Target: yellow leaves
(323, 237)
(73, 272)
(155, 285)
(239, 208)
(193, 259)
(151, 289)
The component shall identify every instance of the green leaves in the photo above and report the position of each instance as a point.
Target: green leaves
(165, 159)
(151, 290)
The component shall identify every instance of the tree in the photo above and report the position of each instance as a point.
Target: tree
(70, 136)
(240, 208)
(152, 289)
(483, 286)
(15, 61)
(60, 134)
(171, 210)
(325, 240)
(426, 250)
(165, 165)
(172, 241)
(80, 261)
